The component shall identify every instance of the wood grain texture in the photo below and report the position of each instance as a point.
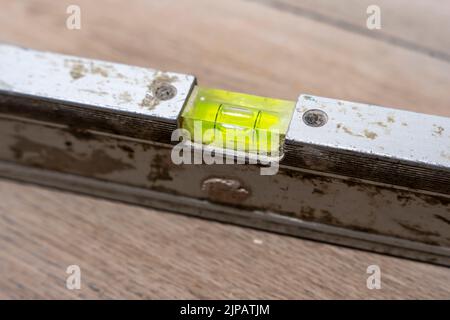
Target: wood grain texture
(418, 25)
(130, 252)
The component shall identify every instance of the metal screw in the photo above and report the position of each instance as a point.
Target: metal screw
(165, 91)
(315, 118)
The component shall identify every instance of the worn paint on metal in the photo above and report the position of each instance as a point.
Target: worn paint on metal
(97, 84)
(336, 201)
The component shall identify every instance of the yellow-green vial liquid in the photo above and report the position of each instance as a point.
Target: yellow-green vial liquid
(237, 121)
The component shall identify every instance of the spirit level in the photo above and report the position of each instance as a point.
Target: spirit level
(241, 121)
(358, 175)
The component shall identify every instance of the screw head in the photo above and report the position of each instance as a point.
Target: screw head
(165, 91)
(315, 118)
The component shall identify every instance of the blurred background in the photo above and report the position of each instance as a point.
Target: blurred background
(279, 49)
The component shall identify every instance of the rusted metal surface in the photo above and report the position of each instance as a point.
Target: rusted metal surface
(331, 186)
(336, 201)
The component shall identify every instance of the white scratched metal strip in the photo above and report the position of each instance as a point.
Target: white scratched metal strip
(93, 83)
(397, 135)
(373, 143)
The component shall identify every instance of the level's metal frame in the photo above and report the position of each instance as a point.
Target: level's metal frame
(368, 177)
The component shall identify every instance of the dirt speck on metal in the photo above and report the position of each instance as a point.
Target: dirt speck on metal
(80, 68)
(438, 130)
(125, 97)
(99, 70)
(350, 132)
(391, 119)
(370, 135)
(78, 71)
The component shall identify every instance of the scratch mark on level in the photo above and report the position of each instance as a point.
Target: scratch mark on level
(369, 134)
(438, 130)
